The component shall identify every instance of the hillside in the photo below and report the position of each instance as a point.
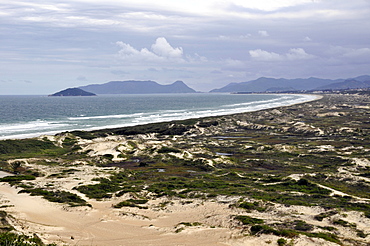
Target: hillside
(264, 84)
(137, 87)
(347, 84)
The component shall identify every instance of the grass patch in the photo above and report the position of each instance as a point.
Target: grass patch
(132, 203)
(15, 239)
(247, 220)
(57, 196)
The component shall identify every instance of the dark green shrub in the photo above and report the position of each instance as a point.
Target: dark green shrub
(165, 149)
(57, 196)
(252, 206)
(131, 203)
(246, 220)
(13, 239)
(301, 225)
(282, 241)
(322, 216)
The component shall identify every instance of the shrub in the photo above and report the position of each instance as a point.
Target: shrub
(322, 216)
(17, 178)
(13, 239)
(301, 225)
(131, 203)
(165, 149)
(282, 241)
(246, 220)
(57, 196)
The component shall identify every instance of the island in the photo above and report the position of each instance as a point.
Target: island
(72, 92)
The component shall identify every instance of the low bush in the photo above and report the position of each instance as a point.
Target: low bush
(15, 239)
(282, 241)
(131, 203)
(247, 220)
(57, 196)
(17, 178)
(322, 216)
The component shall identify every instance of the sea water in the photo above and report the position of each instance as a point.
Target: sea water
(30, 116)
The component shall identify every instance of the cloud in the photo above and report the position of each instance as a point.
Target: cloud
(161, 51)
(164, 49)
(263, 33)
(293, 55)
(298, 54)
(262, 55)
(129, 53)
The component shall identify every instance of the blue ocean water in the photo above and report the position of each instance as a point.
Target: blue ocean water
(30, 116)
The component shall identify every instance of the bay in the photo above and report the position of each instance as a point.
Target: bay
(30, 116)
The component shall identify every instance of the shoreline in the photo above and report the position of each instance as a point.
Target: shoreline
(265, 149)
(37, 135)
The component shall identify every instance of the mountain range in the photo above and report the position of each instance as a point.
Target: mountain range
(137, 87)
(264, 84)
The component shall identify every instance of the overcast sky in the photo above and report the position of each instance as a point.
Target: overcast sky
(50, 45)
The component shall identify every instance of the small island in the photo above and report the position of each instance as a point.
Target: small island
(74, 92)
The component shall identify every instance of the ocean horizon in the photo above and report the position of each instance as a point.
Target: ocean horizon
(32, 116)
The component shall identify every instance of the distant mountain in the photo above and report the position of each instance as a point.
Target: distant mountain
(264, 84)
(347, 84)
(137, 87)
(72, 92)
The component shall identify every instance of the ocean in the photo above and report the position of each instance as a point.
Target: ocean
(31, 116)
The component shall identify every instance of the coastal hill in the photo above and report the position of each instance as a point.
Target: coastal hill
(137, 87)
(264, 84)
(347, 84)
(72, 92)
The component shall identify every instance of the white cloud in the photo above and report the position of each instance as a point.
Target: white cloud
(293, 55)
(160, 53)
(262, 55)
(164, 49)
(128, 52)
(263, 33)
(298, 54)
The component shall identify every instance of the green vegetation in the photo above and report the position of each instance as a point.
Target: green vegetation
(288, 233)
(26, 148)
(322, 216)
(16, 179)
(165, 149)
(131, 203)
(282, 241)
(15, 239)
(57, 196)
(247, 220)
(249, 206)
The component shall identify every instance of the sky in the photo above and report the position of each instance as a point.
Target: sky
(50, 45)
